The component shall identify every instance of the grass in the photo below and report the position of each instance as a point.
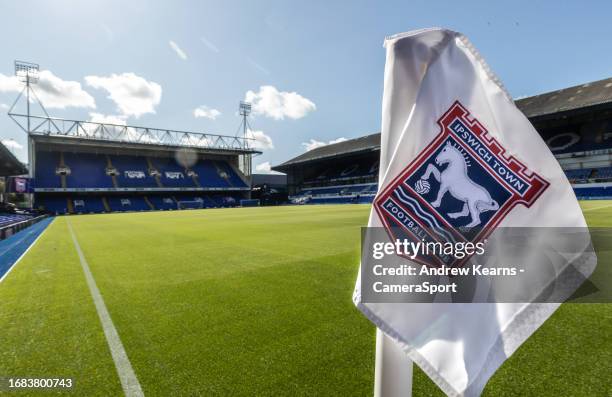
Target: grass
(244, 302)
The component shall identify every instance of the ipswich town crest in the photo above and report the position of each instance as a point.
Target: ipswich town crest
(458, 188)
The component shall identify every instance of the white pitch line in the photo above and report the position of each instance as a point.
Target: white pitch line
(129, 382)
(597, 208)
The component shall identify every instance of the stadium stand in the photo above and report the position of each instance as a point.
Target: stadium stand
(13, 219)
(7, 219)
(575, 122)
(132, 171)
(86, 171)
(101, 176)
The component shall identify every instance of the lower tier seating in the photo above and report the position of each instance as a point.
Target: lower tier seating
(86, 204)
(10, 219)
(593, 192)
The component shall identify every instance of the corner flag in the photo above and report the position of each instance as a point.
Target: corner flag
(459, 161)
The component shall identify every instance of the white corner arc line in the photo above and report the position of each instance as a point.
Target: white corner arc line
(25, 252)
(129, 382)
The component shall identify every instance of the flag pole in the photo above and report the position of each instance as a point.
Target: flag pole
(393, 369)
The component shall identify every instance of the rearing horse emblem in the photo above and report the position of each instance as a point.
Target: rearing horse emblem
(458, 188)
(455, 180)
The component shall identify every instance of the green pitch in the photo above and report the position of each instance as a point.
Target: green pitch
(250, 301)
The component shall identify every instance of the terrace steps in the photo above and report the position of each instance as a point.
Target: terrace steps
(109, 164)
(105, 203)
(62, 164)
(221, 172)
(149, 203)
(157, 178)
(69, 205)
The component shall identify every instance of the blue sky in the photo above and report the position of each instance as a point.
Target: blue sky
(320, 62)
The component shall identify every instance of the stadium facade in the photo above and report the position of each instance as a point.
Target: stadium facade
(575, 122)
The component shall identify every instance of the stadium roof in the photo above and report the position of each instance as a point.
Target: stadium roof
(572, 98)
(549, 103)
(81, 131)
(358, 145)
(9, 165)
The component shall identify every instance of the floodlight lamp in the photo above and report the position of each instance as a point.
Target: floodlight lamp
(245, 108)
(27, 71)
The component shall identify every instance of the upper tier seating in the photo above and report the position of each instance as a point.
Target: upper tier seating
(345, 190)
(585, 174)
(604, 173)
(579, 174)
(46, 163)
(208, 174)
(88, 170)
(232, 177)
(132, 171)
(171, 173)
(347, 171)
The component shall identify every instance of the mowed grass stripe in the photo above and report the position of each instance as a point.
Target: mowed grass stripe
(48, 323)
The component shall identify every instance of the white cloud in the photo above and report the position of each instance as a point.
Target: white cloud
(133, 95)
(4, 106)
(265, 168)
(52, 91)
(270, 102)
(181, 54)
(261, 140)
(12, 144)
(313, 143)
(10, 83)
(206, 112)
(107, 119)
(209, 44)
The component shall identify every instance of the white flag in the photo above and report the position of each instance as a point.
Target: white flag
(453, 138)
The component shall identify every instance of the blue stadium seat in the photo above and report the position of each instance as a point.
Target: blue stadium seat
(233, 177)
(53, 204)
(10, 219)
(604, 173)
(578, 174)
(133, 171)
(587, 192)
(87, 204)
(46, 163)
(171, 173)
(208, 174)
(87, 170)
(127, 203)
(162, 202)
(340, 190)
